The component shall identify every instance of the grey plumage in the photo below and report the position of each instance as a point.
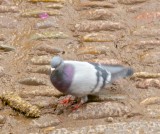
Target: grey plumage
(83, 78)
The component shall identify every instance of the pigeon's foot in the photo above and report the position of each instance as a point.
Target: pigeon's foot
(76, 106)
(66, 100)
(82, 101)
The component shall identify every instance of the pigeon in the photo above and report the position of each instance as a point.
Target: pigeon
(81, 79)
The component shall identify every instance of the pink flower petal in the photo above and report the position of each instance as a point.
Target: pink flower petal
(43, 15)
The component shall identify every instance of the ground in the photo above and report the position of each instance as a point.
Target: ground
(125, 32)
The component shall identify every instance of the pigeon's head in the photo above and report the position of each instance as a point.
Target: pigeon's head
(56, 63)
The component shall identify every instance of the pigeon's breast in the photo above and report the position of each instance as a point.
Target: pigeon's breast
(63, 79)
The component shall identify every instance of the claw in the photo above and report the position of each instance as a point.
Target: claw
(66, 100)
(76, 106)
(82, 101)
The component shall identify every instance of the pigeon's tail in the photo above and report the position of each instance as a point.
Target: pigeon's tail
(118, 71)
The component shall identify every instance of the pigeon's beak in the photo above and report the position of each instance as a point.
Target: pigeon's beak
(52, 70)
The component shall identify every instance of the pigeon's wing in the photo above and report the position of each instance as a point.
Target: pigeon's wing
(86, 80)
(118, 71)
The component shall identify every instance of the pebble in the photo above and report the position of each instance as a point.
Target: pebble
(47, 120)
(97, 4)
(43, 102)
(41, 60)
(96, 26)
(97, 14)
(49, 49)
(145, 84)
(6, 48)
(140, 126)
(56, 1)
(92, 50)
(32, 81)
(41, 69)
(55, 6)
(2, 119)
(1, 71)
(45, 92)
(150, 101)
(36, 13)
(109, 119)
(107, 61)
(49, 35)
(99, 37)
(146, 75)
(1, 105)
(2, 37)
(100, 110)
(43, 24)
(131, 2)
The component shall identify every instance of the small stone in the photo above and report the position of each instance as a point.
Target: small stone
(97, 14)
(1, 105)
(41, 60)
(49, 49)
(130, 2)
(47, 120)
(109, 119)
(2, 37)
(43, 102)
(2, 119)
(35, 13)
(96, 26)
(43, 24)
(146, 75)
(107, 61)
(101, 110)
(145, 84)
(46, 92)
(150, 101)
(32, 81)
(55, 6)
(41, 69)
(6, 48)
(49, 35)
(1, 71)
(97, 4)
(99, 37)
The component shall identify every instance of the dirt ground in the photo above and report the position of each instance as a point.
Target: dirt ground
(123, 32)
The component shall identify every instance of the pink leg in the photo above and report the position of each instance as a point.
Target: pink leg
(82, 101)
(65, 100)
(76, 106)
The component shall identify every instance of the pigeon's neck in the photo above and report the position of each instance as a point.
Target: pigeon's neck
(59, 71)
(62, 78)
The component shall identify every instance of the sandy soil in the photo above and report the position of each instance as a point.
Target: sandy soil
(123, 32)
